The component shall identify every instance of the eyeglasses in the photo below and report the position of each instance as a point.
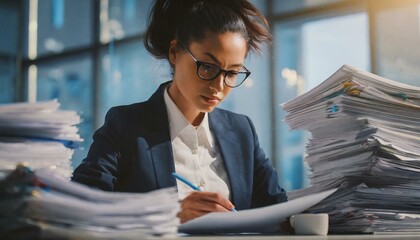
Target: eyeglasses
(208, 72)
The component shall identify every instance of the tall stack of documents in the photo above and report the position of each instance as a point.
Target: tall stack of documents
(39, 204)
(365, 139)
(39, 135)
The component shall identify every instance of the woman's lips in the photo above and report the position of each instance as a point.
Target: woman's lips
(211, 100)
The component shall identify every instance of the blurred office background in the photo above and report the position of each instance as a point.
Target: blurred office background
(89, 55)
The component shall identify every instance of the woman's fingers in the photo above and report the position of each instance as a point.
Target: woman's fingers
(199, 203)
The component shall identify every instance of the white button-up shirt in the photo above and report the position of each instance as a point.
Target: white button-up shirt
(196, 156)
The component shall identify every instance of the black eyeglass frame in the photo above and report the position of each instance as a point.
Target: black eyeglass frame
(220, 70)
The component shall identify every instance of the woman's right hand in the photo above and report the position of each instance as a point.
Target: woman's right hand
(199, 203)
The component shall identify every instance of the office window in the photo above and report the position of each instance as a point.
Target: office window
(9, 35)
(69, 81)
(61, 26)
(260, 5)
(7, 77)
(8, 50)
(306, 54)
(128, 74)
(123, 18)
(397, 46)
(282, 6)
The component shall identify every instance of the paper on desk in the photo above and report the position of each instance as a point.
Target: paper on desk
(364, 139)
(51, 203)
(258, 220)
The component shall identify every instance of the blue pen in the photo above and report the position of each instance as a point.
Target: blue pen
(182, 179)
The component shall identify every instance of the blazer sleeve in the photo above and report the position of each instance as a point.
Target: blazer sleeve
(99, 169)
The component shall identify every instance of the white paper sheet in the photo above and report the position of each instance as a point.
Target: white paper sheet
(258, 220)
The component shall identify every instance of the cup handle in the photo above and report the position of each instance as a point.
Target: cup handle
(292, 221)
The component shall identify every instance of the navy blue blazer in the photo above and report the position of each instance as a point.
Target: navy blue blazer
(132, 152)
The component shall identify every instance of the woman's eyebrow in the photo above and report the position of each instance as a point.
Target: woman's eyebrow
(218, 62)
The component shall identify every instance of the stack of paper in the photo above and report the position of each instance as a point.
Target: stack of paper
(39, 135)
(42, 205)
(366, 140)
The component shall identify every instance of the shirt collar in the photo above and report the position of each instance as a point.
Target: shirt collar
(177, 121)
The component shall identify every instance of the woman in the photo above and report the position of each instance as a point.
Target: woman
(179, 129)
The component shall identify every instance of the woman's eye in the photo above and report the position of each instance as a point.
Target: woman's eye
(232, 74)
(209, 69)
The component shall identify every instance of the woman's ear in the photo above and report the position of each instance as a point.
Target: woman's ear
(173, 52)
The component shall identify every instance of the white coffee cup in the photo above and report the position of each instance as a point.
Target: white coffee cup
(310, 223)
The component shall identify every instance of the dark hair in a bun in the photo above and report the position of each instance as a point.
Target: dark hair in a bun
(189, 20)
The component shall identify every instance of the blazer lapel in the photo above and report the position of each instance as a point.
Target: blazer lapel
(159, 140)
(227, 142)
(163, 163)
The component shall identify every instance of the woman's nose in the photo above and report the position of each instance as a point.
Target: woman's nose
(219, 82)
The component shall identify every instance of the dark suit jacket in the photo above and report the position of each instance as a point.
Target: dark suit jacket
(132, 152)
